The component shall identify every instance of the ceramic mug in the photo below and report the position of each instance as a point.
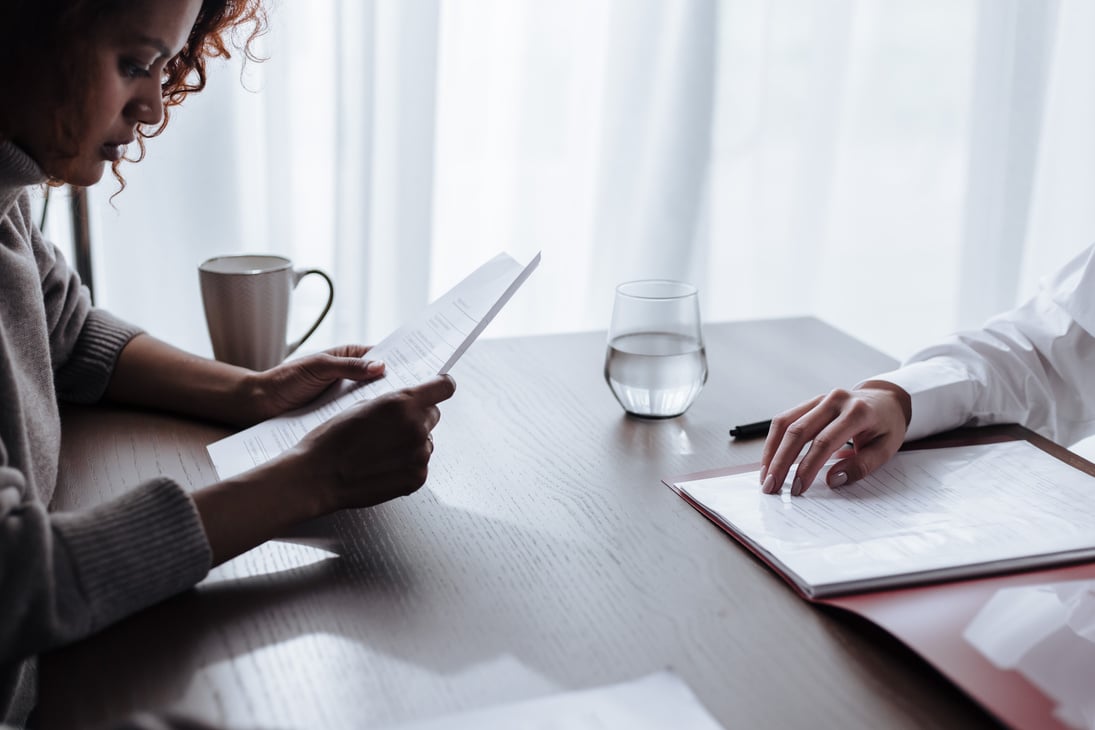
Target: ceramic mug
(246, 299)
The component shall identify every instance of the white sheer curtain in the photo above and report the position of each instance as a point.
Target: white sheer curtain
(898, 169)
(324, 153)
(1062, 208)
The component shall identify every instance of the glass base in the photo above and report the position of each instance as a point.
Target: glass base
(647, 417)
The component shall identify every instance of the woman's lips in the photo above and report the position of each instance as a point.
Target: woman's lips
(113, 151)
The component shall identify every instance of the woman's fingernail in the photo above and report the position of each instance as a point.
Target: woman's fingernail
(374, 366)
(838, 480)
(763, 472)
(796, 486)
(769, 484)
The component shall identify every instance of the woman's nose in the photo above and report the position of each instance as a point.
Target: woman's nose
(147, 108)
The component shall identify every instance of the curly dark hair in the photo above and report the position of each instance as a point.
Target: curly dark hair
(45, 46)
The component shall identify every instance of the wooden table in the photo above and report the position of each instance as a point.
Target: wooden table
(544, 554)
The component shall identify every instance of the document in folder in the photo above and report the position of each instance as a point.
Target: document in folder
(979, 556)
(927, 515)
(428, 345)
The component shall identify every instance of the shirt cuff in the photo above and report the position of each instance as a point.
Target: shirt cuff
(941, 392)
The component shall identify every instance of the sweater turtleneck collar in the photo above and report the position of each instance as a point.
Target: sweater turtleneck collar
(17, 171)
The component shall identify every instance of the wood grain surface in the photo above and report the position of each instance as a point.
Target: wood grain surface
(544, 554)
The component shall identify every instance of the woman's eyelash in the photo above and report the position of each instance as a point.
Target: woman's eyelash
(132, 69)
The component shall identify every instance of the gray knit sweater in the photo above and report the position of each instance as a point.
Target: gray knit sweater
(66, 575)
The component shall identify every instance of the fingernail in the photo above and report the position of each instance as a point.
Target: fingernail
(763, 472)
(796, 486)
(769, 484)
(375, 366)
(838, 480)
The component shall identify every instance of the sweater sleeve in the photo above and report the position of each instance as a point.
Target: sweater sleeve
(85, 373)
(84, 341)
(67, 575)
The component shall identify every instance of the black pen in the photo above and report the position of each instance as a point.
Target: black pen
(760, 428)
(751, 430)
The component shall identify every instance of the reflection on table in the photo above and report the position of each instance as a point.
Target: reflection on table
(544, 554)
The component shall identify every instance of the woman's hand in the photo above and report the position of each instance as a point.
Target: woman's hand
(154, 374)
(296, 383)
(874, 417)
(374, 451)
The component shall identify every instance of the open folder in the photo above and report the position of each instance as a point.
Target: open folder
(975, 549)
(426, 346)
(926, 515)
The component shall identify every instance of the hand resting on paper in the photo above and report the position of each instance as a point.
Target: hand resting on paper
(152, 373)
(874, 416)
(297, 382)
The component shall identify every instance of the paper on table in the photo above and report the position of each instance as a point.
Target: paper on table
(650, 703)
(925, 515)
(428, 345)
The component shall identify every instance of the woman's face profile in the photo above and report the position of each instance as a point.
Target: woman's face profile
(126, 72)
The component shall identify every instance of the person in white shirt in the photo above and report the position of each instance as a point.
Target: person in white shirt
(1033, 365)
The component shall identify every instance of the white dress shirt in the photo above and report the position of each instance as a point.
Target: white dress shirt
(1034, 365)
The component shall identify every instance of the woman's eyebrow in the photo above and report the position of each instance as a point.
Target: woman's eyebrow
(155, 43)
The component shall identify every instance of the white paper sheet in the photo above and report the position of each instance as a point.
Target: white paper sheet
(428, 345)
(654, 702)
(928, 514)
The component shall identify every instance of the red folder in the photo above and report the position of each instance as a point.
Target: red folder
(931, 619)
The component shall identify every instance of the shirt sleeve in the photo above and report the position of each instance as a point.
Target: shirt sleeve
(1034, 365)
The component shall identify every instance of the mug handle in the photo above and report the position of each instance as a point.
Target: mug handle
(299, 274)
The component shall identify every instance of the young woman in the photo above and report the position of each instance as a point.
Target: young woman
(83, 80)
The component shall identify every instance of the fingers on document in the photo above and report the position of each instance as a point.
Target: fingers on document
(830, 441)
(852, 423)
(433, 416)
(344, 362)
(434, 390)
(867, 458)
(855, 468)
(824, 423)
(349, 350)
(774, 460)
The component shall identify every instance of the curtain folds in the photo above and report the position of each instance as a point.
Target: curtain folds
(899, 169)
(1015, 42)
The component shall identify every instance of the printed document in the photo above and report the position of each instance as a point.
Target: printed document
(428, 345)
(930, 514)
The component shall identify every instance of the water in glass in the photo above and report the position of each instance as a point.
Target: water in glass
(656, 374)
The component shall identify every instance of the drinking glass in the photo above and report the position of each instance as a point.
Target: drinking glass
(655, 363)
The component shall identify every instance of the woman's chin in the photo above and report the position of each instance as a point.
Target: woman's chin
(84, 175)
